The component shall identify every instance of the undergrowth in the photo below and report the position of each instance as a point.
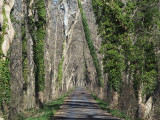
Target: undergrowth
(49, 109)
(105, 106)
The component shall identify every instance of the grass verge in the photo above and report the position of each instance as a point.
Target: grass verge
(49, 109)
(105, 106)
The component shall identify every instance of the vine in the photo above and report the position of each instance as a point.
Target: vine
(5, 20)
(4, 67)
(91, 46)
(144, 59)
(24, 53)
(118, 22)
(60, 69)
(37, 30)
(114, 28)
(86, 76)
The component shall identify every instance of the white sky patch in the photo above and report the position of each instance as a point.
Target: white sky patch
(66, 9)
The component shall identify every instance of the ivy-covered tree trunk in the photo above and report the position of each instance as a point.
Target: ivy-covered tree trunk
(92, 77)
(144, 107)
(28, 63)
(35, 33)
(158, 47)
(47, 62)
(127, 29)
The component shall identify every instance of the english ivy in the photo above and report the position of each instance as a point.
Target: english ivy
(91, 46)
(128, 40)
(37, 30)
(4, 67)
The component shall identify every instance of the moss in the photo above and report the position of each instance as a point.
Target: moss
(91, 46)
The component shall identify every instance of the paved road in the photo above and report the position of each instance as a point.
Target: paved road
(81, 106)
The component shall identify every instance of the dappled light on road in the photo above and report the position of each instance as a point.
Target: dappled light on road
(81, 106)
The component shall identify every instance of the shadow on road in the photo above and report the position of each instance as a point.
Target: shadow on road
(81, 106)
(88, 117)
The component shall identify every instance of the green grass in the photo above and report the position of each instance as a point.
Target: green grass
(104, 106)
(49, 109)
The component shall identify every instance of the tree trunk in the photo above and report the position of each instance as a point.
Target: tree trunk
(16, 63)
(115, 100)
(30, 100)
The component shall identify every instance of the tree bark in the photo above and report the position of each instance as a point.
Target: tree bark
(16, 63)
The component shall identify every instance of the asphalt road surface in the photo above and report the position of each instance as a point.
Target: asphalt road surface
(81, 106)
